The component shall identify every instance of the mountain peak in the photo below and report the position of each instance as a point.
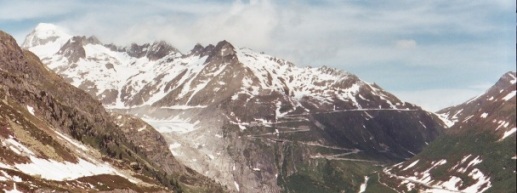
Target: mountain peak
(160, 49)
(45, 33)
(504, 83)
(46, 27)
(510, 77)
(201, 50)
(225, 48)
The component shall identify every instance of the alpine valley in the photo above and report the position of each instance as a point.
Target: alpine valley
(226, 119)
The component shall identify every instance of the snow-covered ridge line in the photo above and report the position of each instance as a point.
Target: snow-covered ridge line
(122, 79)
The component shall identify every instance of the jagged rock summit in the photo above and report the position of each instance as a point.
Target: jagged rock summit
(253, 122)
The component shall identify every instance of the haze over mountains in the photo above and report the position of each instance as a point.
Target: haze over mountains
(256, 123)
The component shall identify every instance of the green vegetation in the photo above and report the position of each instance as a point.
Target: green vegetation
(496, 156)
(300, 174)
(329, 176)
(374, 186)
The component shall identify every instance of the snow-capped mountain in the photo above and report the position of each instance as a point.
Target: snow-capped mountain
(480, 107)
(58, 138)
(159, 75)
(253, 122)
(477, 154)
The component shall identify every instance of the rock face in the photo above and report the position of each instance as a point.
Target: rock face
(478, 152)
(253, 122)
(55, 136)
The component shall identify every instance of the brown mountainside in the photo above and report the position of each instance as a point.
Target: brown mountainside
(39, 110)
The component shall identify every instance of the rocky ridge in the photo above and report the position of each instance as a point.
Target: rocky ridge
(49, 126)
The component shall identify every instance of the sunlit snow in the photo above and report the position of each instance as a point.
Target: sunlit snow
(509, 96)
(30, 109)
(53, 170)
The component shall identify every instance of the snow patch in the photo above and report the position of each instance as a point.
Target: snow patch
(410, 165)
(362, 188)
(174, 145)
(236, 186)
(508, 133)
(452, 183)
(30, 109)
(509, 95)
(14, 190)
(52, 170)
(483, 182)
(17, 147)
(448, 122)
(73, 142)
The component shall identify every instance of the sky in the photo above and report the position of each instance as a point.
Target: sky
(432, 53)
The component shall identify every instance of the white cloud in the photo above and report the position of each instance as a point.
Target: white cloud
(405, 44)
(23, 9)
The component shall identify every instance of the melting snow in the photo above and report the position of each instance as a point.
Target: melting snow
(2, 165)
(236, 186)
(362, 188)
(17, 147)
(141, 129)
(484, 115)
(6, 177)
(509, 95)
(174, 145)
(483, 182)
(52, 170)
(474, 162)
(73, 142)
(451, 184)
(30, 109)
(14, 190)
(508, 133)
(502, 123)
(448, 122)
(411, 165)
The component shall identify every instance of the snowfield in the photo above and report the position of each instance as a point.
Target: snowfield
(52, 170)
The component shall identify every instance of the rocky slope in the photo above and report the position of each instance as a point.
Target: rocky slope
(477, 154)
(57, 137)
(251, 121)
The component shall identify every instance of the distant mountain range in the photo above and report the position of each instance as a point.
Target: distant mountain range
(255, 123)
